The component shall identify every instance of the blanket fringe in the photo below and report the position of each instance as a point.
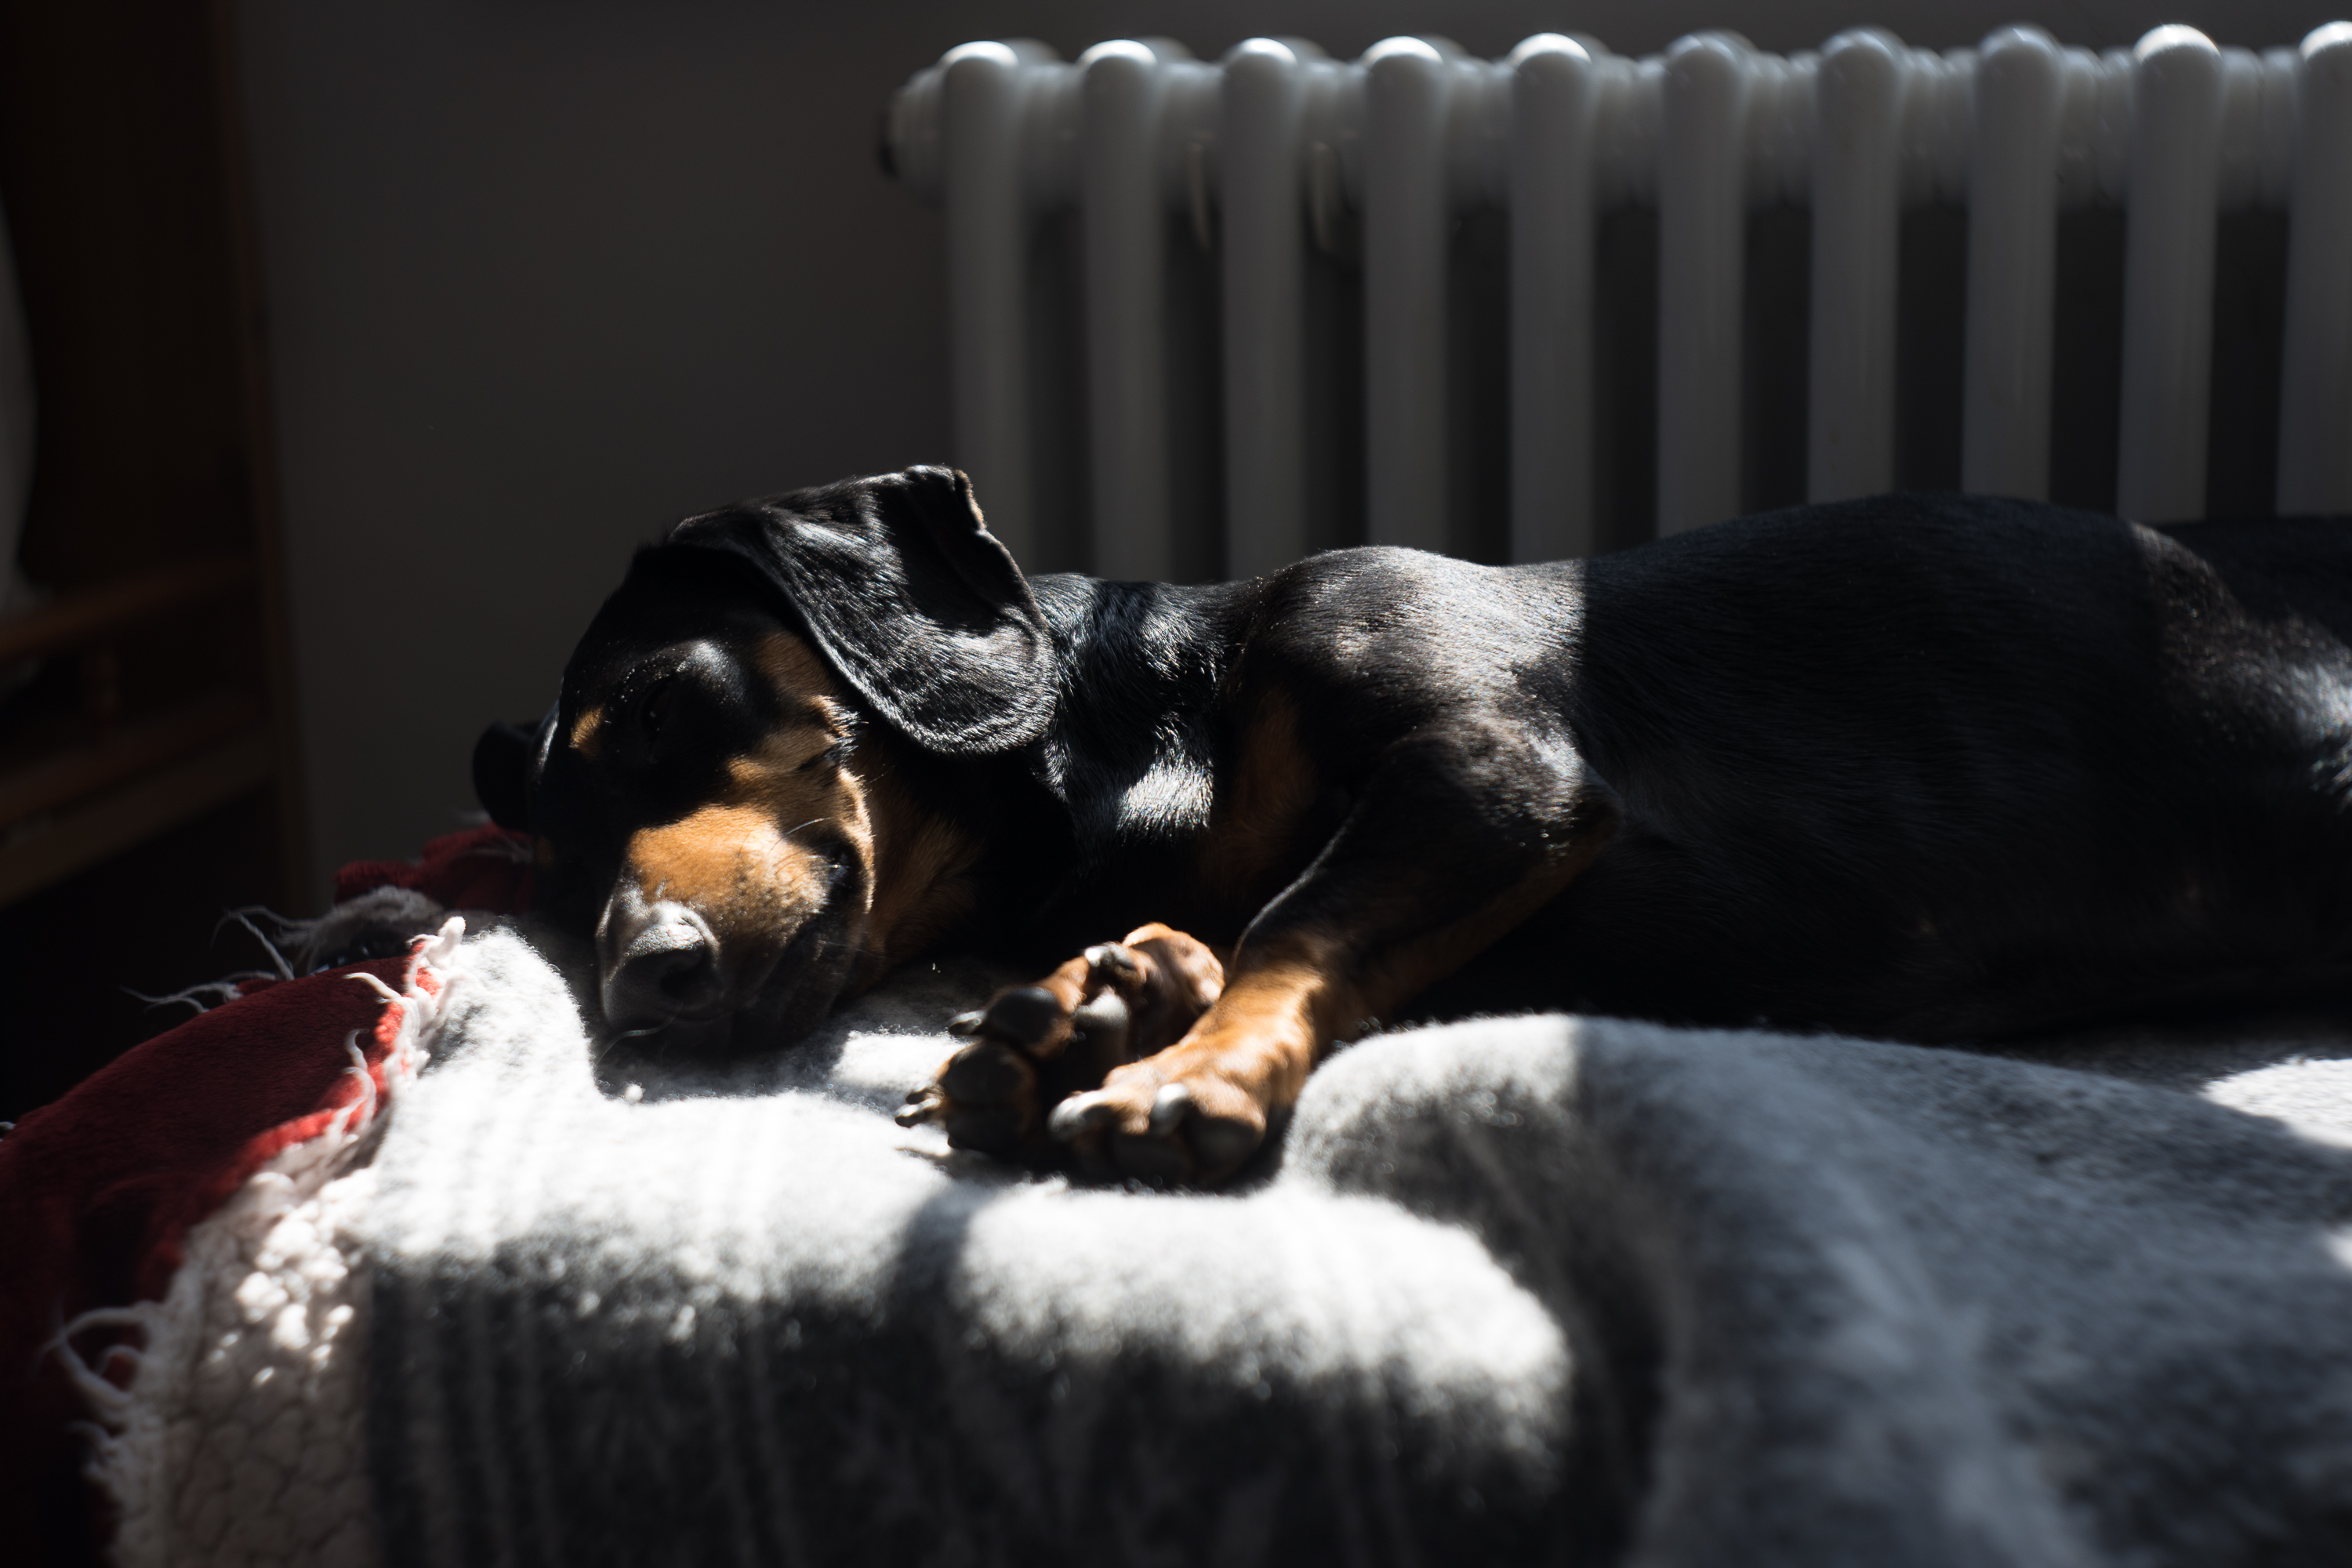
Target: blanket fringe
(228, 988)
(285, 929)
(245, 1267)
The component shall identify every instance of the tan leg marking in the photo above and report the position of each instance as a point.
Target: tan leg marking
(1211, 1095)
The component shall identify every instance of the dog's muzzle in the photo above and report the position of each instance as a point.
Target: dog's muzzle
(658, 962)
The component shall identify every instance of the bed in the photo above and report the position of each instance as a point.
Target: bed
(400, 1261)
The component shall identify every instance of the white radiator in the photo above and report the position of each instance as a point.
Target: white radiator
(1275, 154)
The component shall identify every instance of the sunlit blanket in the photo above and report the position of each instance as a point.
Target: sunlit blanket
(1539, 1290)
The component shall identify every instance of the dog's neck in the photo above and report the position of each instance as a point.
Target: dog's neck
(924, 884)
(1130, 755)
(939, 859)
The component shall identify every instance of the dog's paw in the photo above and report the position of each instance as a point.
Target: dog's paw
(1171, 1119)
(1033, 1045)
(1030, 1045)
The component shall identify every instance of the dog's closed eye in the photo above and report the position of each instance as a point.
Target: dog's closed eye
(654, 707)
(831, 757)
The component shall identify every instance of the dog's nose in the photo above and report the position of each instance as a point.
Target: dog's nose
(658, 961)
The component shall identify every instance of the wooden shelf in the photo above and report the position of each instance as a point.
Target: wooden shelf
(77, 799)
(41, 851)
(86, 615)
(125, 751)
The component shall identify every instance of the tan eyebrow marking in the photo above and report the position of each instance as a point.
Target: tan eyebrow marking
(586, 731)
(804, 683)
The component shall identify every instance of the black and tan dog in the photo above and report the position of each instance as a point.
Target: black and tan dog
(1919, 769)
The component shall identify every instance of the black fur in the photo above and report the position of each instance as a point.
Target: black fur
(909, 597)
(503, 760)
(1920, 767)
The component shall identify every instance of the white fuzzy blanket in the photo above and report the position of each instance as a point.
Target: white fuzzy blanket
(1540, 1289)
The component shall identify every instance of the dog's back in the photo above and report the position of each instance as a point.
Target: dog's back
(1942, 768)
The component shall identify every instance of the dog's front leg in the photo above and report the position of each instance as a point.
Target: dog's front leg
(1460, 833)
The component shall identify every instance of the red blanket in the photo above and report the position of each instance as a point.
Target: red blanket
(97, 1190)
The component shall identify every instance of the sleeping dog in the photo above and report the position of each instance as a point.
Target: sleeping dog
(1920, 769)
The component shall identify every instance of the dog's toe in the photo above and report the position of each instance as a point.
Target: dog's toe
(1156, 1162)
(992, 1129)
(987, 1073)
(1169, 1107)
(1024, 1014)
(985, 1096)
(1164, 1122)
(1106, 1024)
(1219, 1144)
(1081, 1116)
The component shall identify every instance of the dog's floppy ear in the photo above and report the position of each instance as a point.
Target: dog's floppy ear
(504, 760)
(903, 591)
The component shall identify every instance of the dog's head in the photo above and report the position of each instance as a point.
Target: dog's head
(709, 795)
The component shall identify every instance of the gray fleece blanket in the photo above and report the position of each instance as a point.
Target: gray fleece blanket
(1526, 1290)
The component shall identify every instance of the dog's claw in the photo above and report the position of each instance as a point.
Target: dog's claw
(1168, 1109)
(1106, 1016)
(965, 1025)
(923, 1106)
(1109, 957)
(1078, 1116)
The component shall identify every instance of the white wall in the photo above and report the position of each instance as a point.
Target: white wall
(545, 274)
